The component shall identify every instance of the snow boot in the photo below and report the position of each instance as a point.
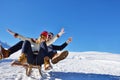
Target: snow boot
(3, 53)
(58, 57)
(47, 65)
(21, 60)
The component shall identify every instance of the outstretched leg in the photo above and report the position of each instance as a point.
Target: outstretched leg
(59, 57)
(15, 47)
(26, 55)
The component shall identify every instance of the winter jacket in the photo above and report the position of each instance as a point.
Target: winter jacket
(35, 46)
(52, 49)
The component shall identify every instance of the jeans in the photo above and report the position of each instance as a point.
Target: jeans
(16, 47)
(31, 57)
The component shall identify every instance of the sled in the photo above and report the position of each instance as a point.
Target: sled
(29, 68)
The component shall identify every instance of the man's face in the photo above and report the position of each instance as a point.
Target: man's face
(50, 36)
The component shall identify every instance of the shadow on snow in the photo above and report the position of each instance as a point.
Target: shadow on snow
(6, 60)
(82, 76)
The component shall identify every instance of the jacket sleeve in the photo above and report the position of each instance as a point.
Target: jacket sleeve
(51, 40)
(55, 37)
(61, 47)
(18, 35)
(23, 38)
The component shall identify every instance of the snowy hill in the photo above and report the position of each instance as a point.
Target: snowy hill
(4, 44)
(77, 66)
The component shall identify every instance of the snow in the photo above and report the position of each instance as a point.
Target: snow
(89, 65)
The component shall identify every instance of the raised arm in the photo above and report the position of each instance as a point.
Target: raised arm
(61, 47)
(16, 35)
(55, 37)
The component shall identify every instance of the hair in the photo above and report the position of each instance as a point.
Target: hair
(50, 33)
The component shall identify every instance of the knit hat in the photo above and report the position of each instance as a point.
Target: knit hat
(44, 33)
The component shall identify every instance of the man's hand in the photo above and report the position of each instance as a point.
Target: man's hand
(69, 40)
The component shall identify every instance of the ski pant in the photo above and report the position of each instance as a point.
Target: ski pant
(15, 47)
(51, 54)
(18, 46)
(31, 57)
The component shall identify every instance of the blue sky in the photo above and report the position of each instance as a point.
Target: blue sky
(94, 25)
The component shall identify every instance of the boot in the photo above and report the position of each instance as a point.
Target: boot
(47, 65)
(58, 57)
(3, 53)
(21, 60)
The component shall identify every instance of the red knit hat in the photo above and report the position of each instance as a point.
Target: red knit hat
(44, 33)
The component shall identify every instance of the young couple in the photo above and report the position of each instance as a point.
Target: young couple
(37, 51)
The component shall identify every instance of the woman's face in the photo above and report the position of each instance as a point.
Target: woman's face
(44, 38)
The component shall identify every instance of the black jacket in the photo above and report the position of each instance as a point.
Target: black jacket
(52, 49)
